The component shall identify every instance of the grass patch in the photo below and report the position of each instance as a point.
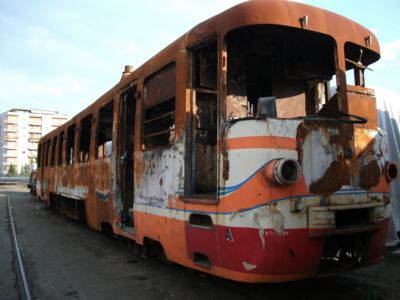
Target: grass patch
(367, 293)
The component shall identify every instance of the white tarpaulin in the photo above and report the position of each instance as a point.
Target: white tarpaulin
(388, 105)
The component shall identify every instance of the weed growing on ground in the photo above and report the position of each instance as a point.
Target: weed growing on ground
(367, 294)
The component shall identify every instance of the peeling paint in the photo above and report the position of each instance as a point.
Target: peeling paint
(317, 148)
(260, 229)
(102, 196)
(77, 192)
(248, 266)
(233, 215)
(278, 221)
(159, 182)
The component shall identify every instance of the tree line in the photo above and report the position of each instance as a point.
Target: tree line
(25, 171)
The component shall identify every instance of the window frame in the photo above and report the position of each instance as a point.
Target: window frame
(53, 152)
(98, 124)
(81, 127)
(60, 148)
(46, 156)
(68, 163)
(156, 103)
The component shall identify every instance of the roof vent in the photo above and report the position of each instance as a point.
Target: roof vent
(128, 71)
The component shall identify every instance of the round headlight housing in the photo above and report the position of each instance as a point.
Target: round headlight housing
(283, 171)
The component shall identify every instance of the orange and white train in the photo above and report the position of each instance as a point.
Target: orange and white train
(227, 153)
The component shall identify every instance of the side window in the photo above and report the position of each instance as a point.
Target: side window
(158, 128)
(70, 144)
(60, 147)
(104, 130)
(85, 138)
(203, 167)
(39, 160)
(53, 152)
(46, 159)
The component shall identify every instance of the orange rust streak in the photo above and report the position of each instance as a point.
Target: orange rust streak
(261, 142)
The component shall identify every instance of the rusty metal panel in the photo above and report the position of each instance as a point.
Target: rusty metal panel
(161, 85)
(364, 105)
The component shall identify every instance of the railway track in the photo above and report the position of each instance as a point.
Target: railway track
(20, 272)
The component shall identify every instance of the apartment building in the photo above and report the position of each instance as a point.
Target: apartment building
(20, 131)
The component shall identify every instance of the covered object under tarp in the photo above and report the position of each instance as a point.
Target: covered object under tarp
(388, 105)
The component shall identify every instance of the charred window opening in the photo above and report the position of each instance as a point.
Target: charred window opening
(46, 159)
(70, 145)
(104, 133)
(127, 115)
(60, 147)
(289, 64)
(357, 60)
(205, 143)
(158, 128)
(85, 138)
(39, 160)
(53, 152)
(206, 60)
(204, 121)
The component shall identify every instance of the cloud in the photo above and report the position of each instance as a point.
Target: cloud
(375, 31)
(389, 51)
(299, 1)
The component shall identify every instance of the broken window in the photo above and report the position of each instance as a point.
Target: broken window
(159, 117)
(39, 160)
(46, 159)
(204, 73)
(70, 145)
(53, 152)
(357, 60)
(60, 148)
(85, 138)
(104, 131)
(206, 66)
(291, 65)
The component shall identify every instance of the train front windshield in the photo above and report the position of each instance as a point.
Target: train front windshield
(293, 65)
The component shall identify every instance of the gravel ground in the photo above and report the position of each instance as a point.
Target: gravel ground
(65, 259)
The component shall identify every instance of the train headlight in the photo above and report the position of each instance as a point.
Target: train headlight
(392, 171)
(283, 171)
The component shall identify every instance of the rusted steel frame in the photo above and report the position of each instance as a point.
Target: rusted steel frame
(358, 65)
(128, 86)
(160, 117)
(158, 133)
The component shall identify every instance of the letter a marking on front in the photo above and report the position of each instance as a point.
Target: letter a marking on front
(229, 235)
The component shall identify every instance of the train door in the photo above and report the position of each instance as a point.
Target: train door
(127, 117)
(204, 123)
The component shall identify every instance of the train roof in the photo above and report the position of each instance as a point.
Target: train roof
(253, 12)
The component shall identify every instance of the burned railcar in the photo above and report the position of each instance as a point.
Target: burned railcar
(227, 153)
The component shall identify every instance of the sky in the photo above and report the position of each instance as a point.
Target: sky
(63, 55)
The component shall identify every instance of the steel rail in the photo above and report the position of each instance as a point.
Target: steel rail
(16, 245)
